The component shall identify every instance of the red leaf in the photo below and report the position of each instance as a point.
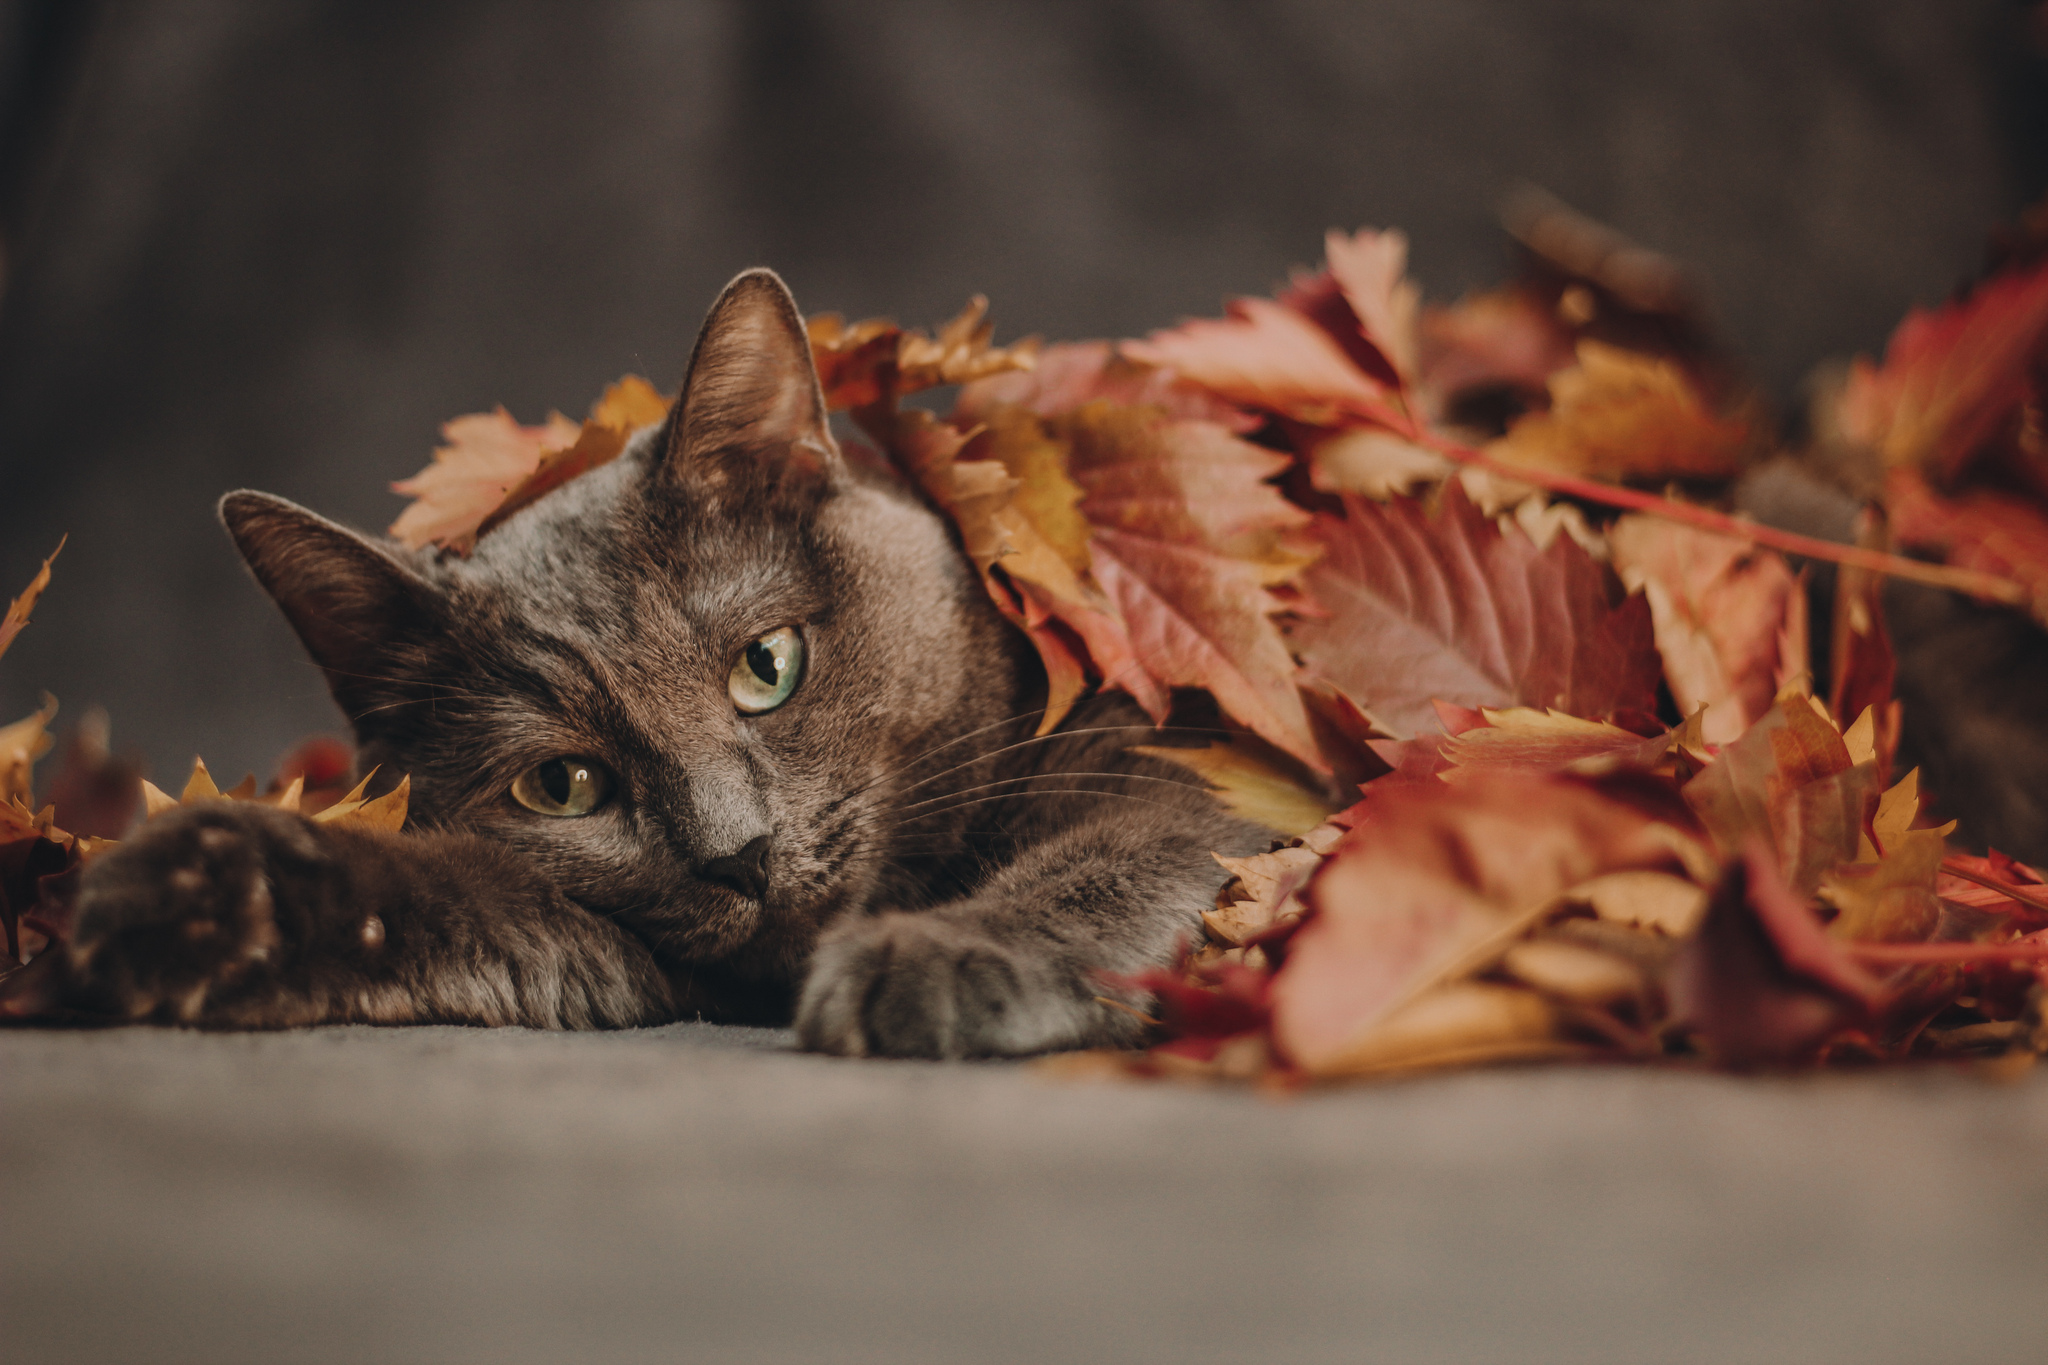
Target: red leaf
(1071, 375)
(1428, 885)
(1990, 531)
(1454, 607)
(1953, 377)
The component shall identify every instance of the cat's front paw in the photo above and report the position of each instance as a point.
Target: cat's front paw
(183, 913)
(910, 985)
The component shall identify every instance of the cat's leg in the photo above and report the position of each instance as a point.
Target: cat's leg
(1016, 967)
(237, 915)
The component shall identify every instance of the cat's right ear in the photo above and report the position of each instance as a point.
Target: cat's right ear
(347, 597)
(751, 419)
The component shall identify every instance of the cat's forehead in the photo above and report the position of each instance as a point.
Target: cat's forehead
(616, 552)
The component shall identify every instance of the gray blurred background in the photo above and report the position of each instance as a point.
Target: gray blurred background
(271, 244)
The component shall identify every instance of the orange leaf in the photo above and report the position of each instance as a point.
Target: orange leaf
(1720, 606)
(1432, 885)
(1454, 607)
(487, 455)
(1266, 355)
(1620, 415)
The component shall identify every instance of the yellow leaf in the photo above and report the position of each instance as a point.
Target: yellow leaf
(199, 786)
(387, 812)
(18, 610)
(1574, 972)
(1253, 786)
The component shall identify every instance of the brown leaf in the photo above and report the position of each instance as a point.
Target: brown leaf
(626, 407)
(18, 610)
(1073, 374)
(1496, 349)
(875, 361)
(1721, 607)
(1452, 607)
(485, 457)
(21, 744)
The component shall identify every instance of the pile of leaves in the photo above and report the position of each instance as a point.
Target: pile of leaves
(100, 793)
(1532, 715)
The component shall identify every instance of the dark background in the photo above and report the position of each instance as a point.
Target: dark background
(276, 244)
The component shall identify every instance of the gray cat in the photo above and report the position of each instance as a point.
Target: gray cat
(726, 727)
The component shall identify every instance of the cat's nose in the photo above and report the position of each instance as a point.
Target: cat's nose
(745, 871)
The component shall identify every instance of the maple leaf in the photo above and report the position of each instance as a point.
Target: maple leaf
(1953, 377)
(21, 744)
(1189, 542)
(386, 812)
(1760, 982)
(1454, 607)
(1987, 530)
(1550, 741)
(1730, 618)
(1431, 885)
(1619, 415)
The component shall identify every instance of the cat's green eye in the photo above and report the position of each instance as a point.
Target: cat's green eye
(767, 671)
(565, 787)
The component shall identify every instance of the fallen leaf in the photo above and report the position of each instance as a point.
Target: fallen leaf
(1267, 356)
(1073, 374)
(1760, 982)
(1489, 357)
(1450, 606)
(486, 456)
(1989, 530)
(1432, 884)
(1720, 608)
(21, 744)
(1618, 415)
(18, 610)
(1953, 377)
(1250, 784)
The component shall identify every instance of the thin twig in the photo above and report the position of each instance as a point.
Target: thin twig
(1984, 585)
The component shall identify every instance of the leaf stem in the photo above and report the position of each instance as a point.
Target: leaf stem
(1971, 581)
(1955, 868)
(1909, 953)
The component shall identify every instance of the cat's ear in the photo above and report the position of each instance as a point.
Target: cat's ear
(751, 414)
(350, 600)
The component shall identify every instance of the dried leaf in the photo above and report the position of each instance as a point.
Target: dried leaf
(1760, 981)
(1466, 1023)
(1071, 375)
(1618, 415)
(1265, 355)
(1498, 349)
(1991, 531)
(1250, 784)
(1953, 377)
(1434, 882)
(1453, 607)
(485, 457)
(1721, 608)
(21, 744)
(875, 361)
(18, 610)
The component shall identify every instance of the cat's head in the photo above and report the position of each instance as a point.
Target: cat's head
(682, 682)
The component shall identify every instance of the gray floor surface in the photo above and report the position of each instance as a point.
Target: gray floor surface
(695, 1193)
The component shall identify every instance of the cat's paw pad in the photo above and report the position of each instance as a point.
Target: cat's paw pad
(905, 985)
(180, 911)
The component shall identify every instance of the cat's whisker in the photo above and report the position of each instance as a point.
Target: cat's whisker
(936, 749)
(1054, 791)
(1060, 735)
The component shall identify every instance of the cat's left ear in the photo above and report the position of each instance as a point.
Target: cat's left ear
(751, 417)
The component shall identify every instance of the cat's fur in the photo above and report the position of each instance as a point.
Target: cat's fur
(938, 883)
